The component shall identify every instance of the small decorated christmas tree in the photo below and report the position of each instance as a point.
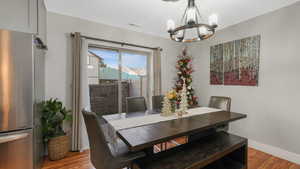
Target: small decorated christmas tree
(183, 106)
(166, 110)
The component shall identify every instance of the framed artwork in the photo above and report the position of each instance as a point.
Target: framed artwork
(231, 64)
(216, 65)
(240, 59)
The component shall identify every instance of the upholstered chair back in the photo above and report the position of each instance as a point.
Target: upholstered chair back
(220, 102)
(135, 104)
(100, 152)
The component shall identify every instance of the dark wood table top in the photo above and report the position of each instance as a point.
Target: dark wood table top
(143, 137)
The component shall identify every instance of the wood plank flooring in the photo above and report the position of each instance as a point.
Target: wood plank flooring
(257, 160)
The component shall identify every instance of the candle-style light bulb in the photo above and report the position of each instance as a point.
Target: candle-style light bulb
(180, 33)
(213, 19)
(170, 25)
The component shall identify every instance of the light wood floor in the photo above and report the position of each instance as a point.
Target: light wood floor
(257, 160)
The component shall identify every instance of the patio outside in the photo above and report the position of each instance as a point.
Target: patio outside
(103, 76)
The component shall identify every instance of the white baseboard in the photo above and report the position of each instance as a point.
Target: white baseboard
(275, 151)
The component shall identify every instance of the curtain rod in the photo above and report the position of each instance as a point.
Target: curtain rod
(116, 42)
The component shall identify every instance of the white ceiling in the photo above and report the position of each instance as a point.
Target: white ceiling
(151, 15)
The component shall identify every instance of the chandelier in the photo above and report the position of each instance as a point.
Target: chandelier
(191, 21)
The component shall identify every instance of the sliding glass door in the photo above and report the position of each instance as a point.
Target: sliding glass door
(115, 74)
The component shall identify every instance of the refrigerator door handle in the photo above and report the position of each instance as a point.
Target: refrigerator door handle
(10, 138)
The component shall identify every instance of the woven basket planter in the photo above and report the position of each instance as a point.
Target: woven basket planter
(58, 147)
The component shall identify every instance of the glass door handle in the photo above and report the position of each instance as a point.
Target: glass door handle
(14, 137)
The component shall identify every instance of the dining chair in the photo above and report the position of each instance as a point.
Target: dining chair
(103, 154)
(223, 103)
(135, 104)
(157, 102)
(220, 102)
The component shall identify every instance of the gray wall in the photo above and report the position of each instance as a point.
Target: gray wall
(59, 63)
(272, 107)
(273, 114)
(58, 60)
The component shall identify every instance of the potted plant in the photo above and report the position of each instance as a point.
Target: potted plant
(52, 118)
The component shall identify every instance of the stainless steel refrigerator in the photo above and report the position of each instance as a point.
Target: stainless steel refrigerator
(21, 90)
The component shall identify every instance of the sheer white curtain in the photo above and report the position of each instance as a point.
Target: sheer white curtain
(80, 94)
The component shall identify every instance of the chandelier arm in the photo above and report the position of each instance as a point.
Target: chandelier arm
(184, 15)
(185, 20)
(183, 34)
(197, 9)
(184, 30)
(198, 32)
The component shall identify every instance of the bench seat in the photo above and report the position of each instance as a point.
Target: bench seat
(220, 150)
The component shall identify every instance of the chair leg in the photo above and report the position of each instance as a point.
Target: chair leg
(131, 166)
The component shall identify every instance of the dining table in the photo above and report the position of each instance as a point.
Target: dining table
(143, 130)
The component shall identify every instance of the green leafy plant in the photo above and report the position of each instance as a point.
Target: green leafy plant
(53, 116)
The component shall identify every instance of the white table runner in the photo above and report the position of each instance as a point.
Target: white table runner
(155, 118)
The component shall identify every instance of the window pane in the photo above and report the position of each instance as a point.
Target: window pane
(134, 72)
(109, 86)
(103, 74)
